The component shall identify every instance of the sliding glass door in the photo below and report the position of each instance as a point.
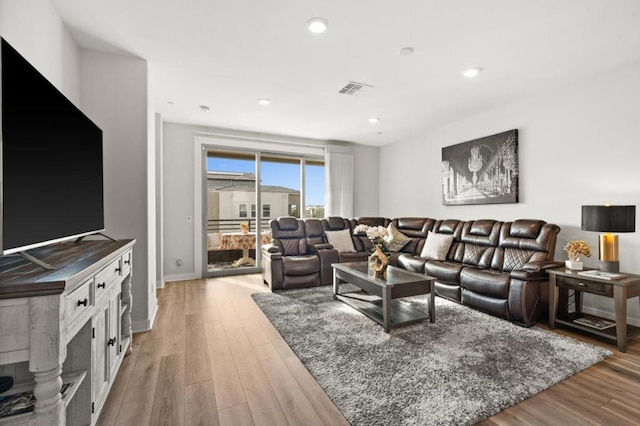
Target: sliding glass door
(245, 190)
(231, 215)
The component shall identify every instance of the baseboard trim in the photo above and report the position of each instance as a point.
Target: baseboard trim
(144, 325)
(160, 284)
(180, 277)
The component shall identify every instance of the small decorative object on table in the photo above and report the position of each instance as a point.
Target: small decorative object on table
(574, 249)
(244, 227)
(378, 260)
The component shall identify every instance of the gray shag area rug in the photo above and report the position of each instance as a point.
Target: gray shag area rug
(459, 370)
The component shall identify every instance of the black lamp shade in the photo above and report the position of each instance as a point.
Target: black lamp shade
(609, 218)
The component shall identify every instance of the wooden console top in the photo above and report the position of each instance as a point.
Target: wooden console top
(73, 262)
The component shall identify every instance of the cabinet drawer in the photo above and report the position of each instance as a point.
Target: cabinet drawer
(586, 285)
(78, 301)
(109, 275)
(126, 263)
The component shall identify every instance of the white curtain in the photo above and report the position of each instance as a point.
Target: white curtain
(339, 176)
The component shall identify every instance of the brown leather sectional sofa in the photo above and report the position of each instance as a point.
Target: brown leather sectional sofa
(493, 266)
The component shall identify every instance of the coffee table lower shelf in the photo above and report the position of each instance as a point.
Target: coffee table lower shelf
(371, 306)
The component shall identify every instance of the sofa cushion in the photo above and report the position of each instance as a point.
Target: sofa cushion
(411, 263)
(444, 271)
(437, 246)
(340, 240)
(395, 239)
(485, 281)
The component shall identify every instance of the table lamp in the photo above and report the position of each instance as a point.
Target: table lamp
(608, 219)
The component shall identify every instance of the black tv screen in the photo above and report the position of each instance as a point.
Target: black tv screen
(52, 187)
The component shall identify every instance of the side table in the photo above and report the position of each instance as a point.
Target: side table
(619, 289)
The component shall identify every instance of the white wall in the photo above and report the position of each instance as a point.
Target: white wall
(579, 145)
(35, 29)
(180, 237)
(114, 94)
(113, 91)
(366, 180)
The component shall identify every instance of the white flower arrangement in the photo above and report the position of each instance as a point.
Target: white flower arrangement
(374, 233)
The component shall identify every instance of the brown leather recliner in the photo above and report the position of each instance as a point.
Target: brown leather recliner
(337, 223)
(290, 262)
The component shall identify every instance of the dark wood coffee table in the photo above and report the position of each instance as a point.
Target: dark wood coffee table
(377, 300)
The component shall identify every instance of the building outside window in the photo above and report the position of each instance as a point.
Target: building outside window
(266, 210)
(253, 210)
(242, 210)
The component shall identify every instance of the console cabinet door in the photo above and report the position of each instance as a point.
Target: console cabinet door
(99, 372)
(113, 338)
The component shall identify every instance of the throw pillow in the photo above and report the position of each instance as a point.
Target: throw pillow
(395, 239)
(437, 246)
(341, 240)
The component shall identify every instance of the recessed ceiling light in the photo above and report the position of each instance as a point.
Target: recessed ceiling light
(264, 101)
(317, 25)
(406, 51)
(374, 120)
(472, 72)
(204, 108)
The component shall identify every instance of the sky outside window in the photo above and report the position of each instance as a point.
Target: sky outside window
(278, 174)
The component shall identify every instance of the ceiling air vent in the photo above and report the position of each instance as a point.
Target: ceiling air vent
(354, 88)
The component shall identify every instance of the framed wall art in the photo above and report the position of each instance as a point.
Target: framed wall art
(481, 171)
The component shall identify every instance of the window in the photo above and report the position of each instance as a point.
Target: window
(266, 210)
(293, 210)
(314, 188)
(242, 210)
(253, 210)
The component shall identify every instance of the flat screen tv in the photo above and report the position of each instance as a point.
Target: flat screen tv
(51, 169)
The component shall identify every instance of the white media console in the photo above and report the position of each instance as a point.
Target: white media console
(66, 329)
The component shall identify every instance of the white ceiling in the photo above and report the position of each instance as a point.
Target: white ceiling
(227, 54)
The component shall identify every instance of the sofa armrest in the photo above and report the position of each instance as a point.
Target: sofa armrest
(541, 265)
(272, 252)
(322, 246)
(327, 258)
(272, 267)
(535, 271)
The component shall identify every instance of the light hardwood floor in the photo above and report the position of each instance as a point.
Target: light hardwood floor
(213, 358)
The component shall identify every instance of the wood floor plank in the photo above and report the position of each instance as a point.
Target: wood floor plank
(238, 415)
(263, 404)
(619, 408)
(228, 315)
(584, 407)
(193, 297)
(198, 367)
(168, 399)
(234, 331)
(138, 401)
(200, 405)
(226, 381)
(174, 335)
(294, 402)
